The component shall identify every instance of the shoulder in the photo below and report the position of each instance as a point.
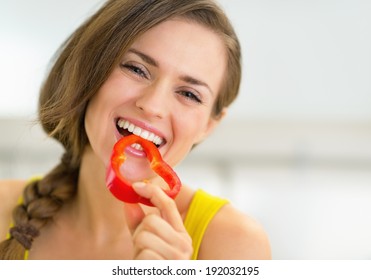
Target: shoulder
(238, 237)
(10, 192)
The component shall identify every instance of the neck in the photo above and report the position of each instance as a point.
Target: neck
(95, 209)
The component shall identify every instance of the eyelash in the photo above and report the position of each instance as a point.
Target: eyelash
(142, 74)
(135, 69)
(191, 96)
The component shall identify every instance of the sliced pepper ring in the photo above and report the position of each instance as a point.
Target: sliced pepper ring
(121, 188)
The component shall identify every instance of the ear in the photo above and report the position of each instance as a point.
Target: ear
(212, 123)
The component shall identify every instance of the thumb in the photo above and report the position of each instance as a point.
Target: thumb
(134, 215)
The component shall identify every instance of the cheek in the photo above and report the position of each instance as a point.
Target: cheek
(186, 136)
(96, 127)
(191, 129)
(89, 122)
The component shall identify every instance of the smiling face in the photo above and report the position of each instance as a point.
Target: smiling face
(164, 90)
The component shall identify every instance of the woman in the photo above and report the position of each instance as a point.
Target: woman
(165, 70)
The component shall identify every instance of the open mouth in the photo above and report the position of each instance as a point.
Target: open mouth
(126, 128)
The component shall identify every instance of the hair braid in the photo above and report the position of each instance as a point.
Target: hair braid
(42, 199)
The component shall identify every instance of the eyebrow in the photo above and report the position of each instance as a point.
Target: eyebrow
(196, 82)
(185, 78)
(144, 57)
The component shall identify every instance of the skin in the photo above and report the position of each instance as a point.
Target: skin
(152, 87)
(157, 96)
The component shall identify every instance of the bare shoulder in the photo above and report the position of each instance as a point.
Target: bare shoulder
(237, 236)
(10, 192)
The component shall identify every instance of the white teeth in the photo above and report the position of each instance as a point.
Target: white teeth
(157, 140)
(144, 134)
(150, 136)
(121, 123)
(137, 131)
(137, 146)
(131, 127)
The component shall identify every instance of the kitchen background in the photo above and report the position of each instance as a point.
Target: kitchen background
(294, 151)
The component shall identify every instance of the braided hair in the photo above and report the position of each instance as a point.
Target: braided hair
(41, 200)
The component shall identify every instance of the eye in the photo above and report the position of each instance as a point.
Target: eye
(190, 96)
(137, 70)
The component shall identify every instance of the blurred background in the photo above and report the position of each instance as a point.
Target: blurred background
(295, 149)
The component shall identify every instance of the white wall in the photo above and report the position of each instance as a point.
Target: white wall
(295, 150)
(302, 59)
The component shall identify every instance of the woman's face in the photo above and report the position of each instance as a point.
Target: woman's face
(163, 89)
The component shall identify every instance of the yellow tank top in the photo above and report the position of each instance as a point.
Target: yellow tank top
(201, 211)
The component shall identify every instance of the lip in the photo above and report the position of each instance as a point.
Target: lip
(134, 152)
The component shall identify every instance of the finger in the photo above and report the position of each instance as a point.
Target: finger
(147, 254)
(134, 215)
(171, 244)
(156, 225)
(146, 240)
(165, 204)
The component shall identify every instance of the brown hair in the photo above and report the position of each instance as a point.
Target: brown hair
(82, 65)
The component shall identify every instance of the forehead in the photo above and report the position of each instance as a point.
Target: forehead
(186, 47)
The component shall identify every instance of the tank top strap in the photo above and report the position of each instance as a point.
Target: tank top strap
(202, 209)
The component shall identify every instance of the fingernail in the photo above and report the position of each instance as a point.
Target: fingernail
(139, 185)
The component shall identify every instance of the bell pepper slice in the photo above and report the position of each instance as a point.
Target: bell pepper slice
(121, 188)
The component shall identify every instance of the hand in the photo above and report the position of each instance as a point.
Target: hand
(158, 235)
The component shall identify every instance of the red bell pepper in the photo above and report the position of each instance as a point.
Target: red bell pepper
(121, 188)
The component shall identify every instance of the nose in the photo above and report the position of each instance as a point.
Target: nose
(154, 102)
